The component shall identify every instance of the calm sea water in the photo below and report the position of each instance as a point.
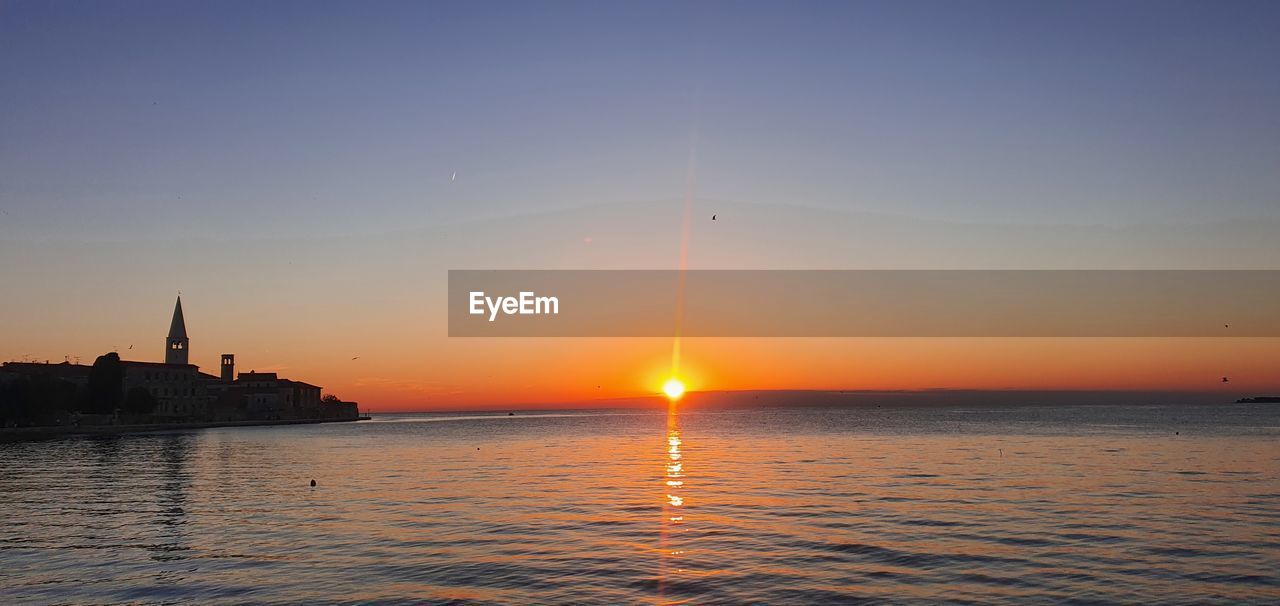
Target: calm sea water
(1018, 505)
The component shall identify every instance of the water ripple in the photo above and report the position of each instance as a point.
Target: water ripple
(1072, 505)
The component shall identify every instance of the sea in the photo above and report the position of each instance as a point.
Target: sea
(886, 505)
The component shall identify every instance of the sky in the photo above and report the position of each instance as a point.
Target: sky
(290, 167)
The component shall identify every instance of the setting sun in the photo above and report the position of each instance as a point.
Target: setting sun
(673, 388)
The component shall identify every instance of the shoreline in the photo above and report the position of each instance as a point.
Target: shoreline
(31, 434)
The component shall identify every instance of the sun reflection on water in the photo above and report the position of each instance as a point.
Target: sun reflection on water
(675, 468)
(672, 509)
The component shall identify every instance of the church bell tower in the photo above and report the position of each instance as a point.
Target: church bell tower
(175, 351)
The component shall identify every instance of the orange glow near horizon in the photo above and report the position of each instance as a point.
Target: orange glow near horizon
(525, 373)
(404, 374)
(396, 372)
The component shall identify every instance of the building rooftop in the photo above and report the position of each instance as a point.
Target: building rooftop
(156, 364)
(61, 368)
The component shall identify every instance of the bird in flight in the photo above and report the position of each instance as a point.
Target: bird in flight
(1224, 380)
(130, 347)
(453, 177)
(356, 358)
(713, 217)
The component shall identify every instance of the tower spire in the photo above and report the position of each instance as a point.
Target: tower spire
(176, 344)
(178, 327)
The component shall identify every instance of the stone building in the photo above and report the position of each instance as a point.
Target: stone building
(183, 393)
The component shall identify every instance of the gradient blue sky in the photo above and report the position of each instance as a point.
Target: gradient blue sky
(287, 167)
(124, 120)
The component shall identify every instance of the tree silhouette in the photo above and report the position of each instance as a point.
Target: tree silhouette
(106, 384)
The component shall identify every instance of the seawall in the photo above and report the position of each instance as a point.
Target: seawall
(23, 434)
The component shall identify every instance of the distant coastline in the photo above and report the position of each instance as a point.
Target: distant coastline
(853, 398)
(942, 397)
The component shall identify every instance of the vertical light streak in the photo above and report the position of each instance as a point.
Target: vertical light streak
(690, 192)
